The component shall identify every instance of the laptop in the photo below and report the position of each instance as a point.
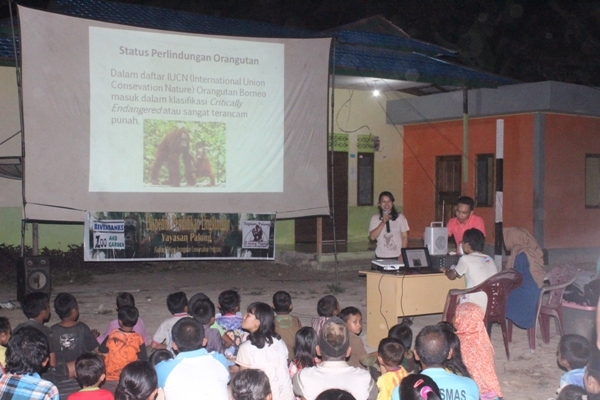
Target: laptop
(386, 265)
(418, 261)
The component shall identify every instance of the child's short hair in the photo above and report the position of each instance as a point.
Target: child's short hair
(282, 301)
(64, 303)
(575, 349)
(128, 316)
(229, 301)
(4, 325)
(571, 392)
(192, 300)
(403, 333)
(125, 299)
(159, 356)
(188, 334)
(347, 312)
(391, 352)
(89, 368)
(250, 384)
(474, 238)
(327, 306)
(203, 310)
(26, 350)
(34, 303)
(177, 302)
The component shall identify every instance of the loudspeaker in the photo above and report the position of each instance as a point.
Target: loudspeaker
(436, 239)
(33, 275)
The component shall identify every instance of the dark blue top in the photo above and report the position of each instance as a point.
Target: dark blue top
(521, 306)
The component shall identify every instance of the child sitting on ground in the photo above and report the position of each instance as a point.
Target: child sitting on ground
(455, 363)
(328, 306)
(305, 351)
(123, 345)
(71, 339)
(572, 356)
(203, 311)
(353, 319)
(404, 334)
(286, 325)
(4, 337)
(91, 372)
(591, 377)
(36, 307)
(177, 304)
(573, 392)
(125, 299)
(26, 356)
(390, 355)
(231, 323)
(417, 387)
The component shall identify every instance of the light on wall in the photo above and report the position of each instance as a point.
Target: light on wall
(375, 92)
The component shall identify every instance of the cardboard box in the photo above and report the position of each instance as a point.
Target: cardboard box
(579, 319)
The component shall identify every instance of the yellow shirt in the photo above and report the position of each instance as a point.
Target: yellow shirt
(3, 356)
(388, 381)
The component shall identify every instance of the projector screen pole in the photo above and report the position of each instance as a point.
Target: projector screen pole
(21, 123)
(332, 201)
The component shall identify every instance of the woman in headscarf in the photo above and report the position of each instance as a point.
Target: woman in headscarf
(524, 249)
(528, 259)
(477, 350)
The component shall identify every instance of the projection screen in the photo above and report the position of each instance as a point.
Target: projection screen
(119, 118)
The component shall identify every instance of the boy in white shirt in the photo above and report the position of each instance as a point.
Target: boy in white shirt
(475, 266)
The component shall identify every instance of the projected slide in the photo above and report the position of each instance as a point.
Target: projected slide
(177, 113)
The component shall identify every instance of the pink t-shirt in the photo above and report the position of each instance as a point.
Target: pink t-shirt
(457, 229)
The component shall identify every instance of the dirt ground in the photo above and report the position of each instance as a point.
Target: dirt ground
(526, 376)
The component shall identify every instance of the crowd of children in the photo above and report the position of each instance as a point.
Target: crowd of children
(263, 350)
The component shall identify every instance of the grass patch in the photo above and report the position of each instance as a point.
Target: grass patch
(336, 288)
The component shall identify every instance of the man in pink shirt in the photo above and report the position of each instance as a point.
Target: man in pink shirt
(465, 219)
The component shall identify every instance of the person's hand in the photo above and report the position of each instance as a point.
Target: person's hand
(443, 269)
(95, 332)
(386, 217)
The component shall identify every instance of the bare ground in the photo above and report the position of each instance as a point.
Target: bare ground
(526, 376)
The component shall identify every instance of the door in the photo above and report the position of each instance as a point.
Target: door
(306, 228)
(447, 186)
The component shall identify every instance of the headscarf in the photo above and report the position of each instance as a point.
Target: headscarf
(477, 349)
(517, 241)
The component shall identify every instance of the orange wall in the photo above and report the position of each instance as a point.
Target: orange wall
(424, 142)
(568, 223)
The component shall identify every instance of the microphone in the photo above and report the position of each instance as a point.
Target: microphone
(387, 223)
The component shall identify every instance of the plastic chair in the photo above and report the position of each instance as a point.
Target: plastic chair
(497, 288)
(550, 304)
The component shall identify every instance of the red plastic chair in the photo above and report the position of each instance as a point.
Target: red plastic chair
(497, 288)
(550, 304)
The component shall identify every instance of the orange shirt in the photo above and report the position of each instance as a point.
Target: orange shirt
(123, 348)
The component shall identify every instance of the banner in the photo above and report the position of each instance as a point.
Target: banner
(131, 236)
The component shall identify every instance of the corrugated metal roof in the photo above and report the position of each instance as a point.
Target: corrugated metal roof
(357, 53)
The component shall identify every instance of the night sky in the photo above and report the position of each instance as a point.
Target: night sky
(525, 40)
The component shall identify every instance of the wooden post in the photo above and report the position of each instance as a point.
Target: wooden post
(319, 235)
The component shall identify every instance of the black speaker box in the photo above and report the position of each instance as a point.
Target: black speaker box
(33, 275)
